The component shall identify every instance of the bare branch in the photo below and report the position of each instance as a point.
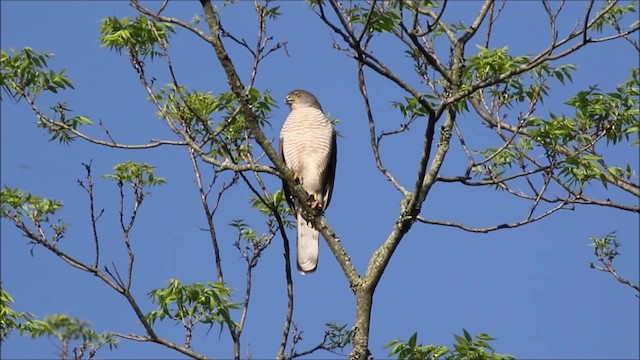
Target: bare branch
(605, 251)
(437, 18)
(375, 144)
(367, 58)
(365, 30)
(493, 16)
(471, 30)
(622, 34)
(162, 7)
(208, 213)
(527, 220)
(325, 344)
(243, 43)
(289, 280)
(88, 188)
(431, 27)
(585, 37)
(430, 58)
(609, 269)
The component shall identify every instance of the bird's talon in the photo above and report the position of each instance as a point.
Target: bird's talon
(316, 203)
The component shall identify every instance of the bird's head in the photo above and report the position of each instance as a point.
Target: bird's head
(300, 97)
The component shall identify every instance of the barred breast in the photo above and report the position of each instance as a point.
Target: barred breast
(306, 143)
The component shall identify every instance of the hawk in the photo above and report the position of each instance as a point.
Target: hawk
(308, 148)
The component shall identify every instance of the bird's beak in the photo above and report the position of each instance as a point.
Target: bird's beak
(288, 100)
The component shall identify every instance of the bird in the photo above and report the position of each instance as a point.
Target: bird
(308, 147)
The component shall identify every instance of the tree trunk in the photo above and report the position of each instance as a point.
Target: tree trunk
(364, 304)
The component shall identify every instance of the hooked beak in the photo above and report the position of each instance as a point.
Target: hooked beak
(288, 100)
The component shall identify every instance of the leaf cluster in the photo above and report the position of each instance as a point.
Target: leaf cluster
(491, 63)
(246, 233)
(270, 12)
(9, 319)
(465, 347)
(273, 201)
(337, 336)
(18, 203)
(65, 327)
(25, 73)
(519, 90)
(568, 141)
(614, 116)
(141, 36)
(214, 120)
(192, 304)
(137, 175)
(61, 128)
(411, 108)
(60, 326)
(530, 87)
(375, 19)
(606, 246)
(615, 15)
(499, 159)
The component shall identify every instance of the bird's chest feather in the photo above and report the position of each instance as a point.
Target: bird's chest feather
(306, 139)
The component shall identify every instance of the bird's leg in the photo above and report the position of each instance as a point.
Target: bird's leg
(297, 177)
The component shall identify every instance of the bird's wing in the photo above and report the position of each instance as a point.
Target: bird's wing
(285, 188)
(329, 173)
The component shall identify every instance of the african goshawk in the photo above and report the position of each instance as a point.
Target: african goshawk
(308, 147)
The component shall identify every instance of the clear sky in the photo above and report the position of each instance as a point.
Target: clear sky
(531, 287)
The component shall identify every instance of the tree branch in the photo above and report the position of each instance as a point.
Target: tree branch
(375, 144)
(208, 213)
(88, 188)
(488, 229)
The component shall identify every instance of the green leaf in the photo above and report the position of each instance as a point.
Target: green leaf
(412, 340)
(467, 335)
(82, 120)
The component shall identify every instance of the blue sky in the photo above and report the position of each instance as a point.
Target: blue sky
(531, 287)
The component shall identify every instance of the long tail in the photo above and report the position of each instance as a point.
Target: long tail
(307, 246)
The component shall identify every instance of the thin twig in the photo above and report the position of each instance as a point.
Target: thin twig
(92, 215)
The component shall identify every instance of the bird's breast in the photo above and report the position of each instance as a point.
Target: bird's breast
(307, 137)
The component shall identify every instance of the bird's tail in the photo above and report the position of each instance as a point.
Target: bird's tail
(307, 246)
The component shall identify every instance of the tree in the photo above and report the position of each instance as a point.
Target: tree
(472, 109)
